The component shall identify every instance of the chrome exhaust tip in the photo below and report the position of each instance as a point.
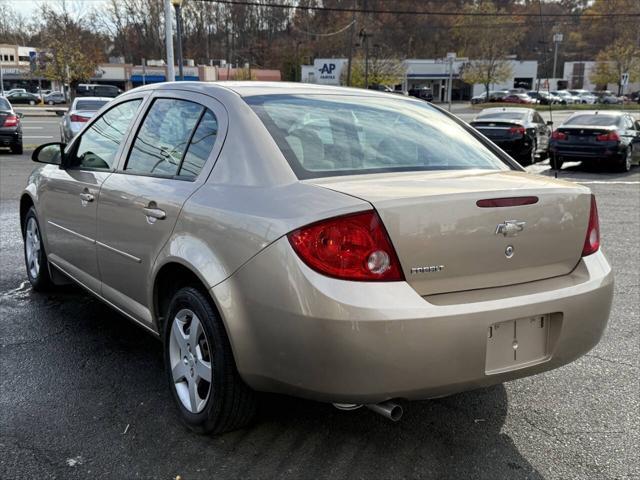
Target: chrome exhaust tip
(390, 410)
(347, 406)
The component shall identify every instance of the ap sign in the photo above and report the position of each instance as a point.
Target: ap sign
(328, 70)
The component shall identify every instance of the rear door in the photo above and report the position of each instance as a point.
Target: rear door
(169, 158)
(543, 132)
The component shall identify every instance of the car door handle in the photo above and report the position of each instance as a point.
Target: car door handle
(86, 197)
(154, 214)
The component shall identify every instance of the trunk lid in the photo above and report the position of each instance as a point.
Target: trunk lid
(434, 221)
(498, 129)
(582, 135)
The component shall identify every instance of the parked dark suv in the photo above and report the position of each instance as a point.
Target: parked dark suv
(90, 90)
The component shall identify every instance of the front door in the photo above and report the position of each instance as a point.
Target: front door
(140, 203)
(69, 199)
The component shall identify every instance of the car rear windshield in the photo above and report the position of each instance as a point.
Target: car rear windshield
(89, 104)
(596, 120)
(4, 104)
(328, 135)
(502, 115)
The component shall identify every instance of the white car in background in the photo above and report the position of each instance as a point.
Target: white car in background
(566, 97)
(81, 111)
(584, 95)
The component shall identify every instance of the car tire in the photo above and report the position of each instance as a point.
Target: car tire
(17, 149)
(32, 102)
(50, 102)
(35, 257)
(222, 403)
(626, 161)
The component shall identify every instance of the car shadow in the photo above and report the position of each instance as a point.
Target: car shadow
(107, 402)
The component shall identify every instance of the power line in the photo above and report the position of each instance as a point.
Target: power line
(253, 3)
(314, 34)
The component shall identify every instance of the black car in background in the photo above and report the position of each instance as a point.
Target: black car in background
(521, 132)
(10, 127)
(609, 137)
(24, 98)
(97, 90)
(422, 93)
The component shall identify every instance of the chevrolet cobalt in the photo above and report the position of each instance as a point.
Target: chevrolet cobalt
(341, 245)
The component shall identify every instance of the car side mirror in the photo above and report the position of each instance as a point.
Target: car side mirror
(549, 122)
(50, 153)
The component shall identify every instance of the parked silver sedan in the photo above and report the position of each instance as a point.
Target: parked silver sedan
(80, 112)
(341, 245)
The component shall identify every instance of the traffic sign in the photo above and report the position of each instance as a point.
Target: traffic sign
(624, 80)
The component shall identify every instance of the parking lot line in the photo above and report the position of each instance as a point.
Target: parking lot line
(608, 182)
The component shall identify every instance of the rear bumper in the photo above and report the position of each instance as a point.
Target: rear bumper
(316, 337)
(10, 138)
(586, 152)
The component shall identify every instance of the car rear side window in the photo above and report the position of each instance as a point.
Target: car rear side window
(595, 120)
(4, 105)
(163, 137)
(200, 146)
(89, 105)
(98, 146)
(328, 135)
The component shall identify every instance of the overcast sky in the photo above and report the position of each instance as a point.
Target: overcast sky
(28, 7)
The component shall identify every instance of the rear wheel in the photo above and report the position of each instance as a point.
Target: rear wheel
(34, 255)
(50, 102)
(625, 162)
(201, 371)
(17, 149)
(32, 102)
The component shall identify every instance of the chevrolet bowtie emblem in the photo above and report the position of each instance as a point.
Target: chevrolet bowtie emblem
(510, 228)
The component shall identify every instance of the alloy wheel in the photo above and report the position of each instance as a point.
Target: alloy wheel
(190, 359)
(32, 241)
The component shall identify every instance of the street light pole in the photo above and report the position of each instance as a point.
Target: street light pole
(1, 80)
(168, 40)
(557, 38)
(178, 6)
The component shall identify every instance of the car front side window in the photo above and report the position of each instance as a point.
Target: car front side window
(98, 146)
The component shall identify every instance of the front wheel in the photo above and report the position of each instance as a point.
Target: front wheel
(32, 102)
(34, 255)
(203, 379)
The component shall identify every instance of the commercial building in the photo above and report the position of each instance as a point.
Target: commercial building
(435, 74)
(578, 75)
(17, 72)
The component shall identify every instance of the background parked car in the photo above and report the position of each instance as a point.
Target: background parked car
(54, 98)
(23, 98)
(96, 90)
(497, 95)
(566, 97)
(520, 98)
(521, 132)
(609, 137)
(541, 97)
(607, 97)
(10, 127)
(82, 109)
(584, 96)
(14, 90)
(422, 93)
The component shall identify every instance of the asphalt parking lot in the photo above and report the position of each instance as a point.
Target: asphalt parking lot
(82, 394)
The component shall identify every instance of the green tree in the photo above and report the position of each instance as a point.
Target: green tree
(382, 71)
(72, 51)
(488, 49)
(612, 62)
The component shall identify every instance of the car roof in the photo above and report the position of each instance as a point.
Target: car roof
(97, 99)
(506, 109)
(256, 88)
(615, 113)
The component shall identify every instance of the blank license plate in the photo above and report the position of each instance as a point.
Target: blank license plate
(517, 343)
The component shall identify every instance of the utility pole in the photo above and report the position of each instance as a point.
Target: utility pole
(1, 80)
(557, 38)
(168, 40)
(351, 31)
(365, 39)
(144, 71)
(178, 5)
(451, 56)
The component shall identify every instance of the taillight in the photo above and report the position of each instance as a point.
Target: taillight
(592, 240)
(11, 121)
(349, 247)
(556, 135)
(516, 131)
(608, 137)
(78, 118)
